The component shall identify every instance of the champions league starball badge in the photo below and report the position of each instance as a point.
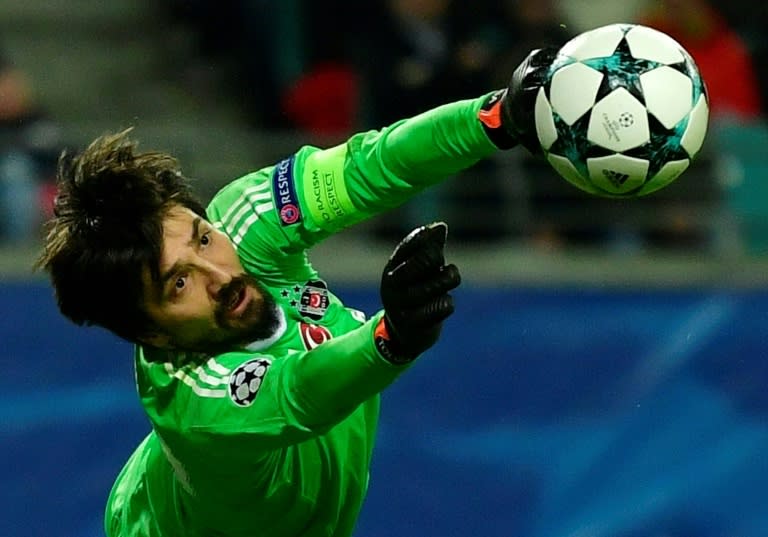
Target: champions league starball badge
(311, 300)
(245, 381)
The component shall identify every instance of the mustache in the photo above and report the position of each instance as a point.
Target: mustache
(231, 291)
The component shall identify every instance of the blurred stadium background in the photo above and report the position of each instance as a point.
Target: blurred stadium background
(604, 374)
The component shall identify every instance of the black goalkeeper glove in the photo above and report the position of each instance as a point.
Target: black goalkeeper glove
(414, 292)
(508, 115)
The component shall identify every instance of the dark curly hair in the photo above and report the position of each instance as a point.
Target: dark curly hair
(107, 231)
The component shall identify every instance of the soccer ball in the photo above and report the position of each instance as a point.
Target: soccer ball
(623, 111)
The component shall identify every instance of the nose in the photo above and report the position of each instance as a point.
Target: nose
(217, 277)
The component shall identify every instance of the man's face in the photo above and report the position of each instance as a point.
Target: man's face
(204, 301)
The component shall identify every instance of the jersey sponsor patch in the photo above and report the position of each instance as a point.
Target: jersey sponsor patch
(284, 192)
(313, 335)
(245, 381)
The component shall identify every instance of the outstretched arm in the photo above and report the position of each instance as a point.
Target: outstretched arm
(279, 212)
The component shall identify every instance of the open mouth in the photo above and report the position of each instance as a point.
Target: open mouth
(237, 301)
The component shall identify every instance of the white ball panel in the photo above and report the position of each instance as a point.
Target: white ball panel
(668, 94)
(649, 44)
(568, 171)
(619, 122)
(668, 173)
(595, 43)
(242, 392)
(617, 174)
(694, 135)
(573, 90)
(545, 123)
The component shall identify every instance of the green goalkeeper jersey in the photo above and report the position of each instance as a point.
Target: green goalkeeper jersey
(275, 439)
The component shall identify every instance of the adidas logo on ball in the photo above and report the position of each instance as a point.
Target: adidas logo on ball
(616, 178)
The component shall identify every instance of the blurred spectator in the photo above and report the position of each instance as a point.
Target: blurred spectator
(323, 101)
(720, 52)
(526, 25)
(749, 20)
(255, 44)
(29, 147)
(416, 54)
(725, 61)
(267, 48)
(413, 55)
(287, 74)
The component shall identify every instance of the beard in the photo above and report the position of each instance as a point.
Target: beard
(259, 321)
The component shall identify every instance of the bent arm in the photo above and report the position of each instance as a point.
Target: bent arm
(268, 402)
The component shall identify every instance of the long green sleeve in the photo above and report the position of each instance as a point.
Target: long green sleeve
(275, 214)
(383, 169)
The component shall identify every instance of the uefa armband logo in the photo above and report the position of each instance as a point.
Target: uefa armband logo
(289, 214)
(245, 381)
(284, 193)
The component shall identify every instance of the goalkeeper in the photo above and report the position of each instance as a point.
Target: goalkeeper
(260, 385)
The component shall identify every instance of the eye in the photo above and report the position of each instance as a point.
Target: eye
(180, 283)
(205, 239)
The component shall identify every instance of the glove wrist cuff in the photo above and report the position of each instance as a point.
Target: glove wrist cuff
(492, 116)
(388, 347)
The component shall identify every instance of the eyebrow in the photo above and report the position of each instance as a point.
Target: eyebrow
(168, 274)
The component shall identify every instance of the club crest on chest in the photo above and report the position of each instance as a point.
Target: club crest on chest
(310, 300)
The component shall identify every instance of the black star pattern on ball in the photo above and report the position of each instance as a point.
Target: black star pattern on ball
(663, 146)
(284, 293)
(689, 69)
(572, 143)
(621, 70)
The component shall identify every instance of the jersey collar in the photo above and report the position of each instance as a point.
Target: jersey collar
(282, 325)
